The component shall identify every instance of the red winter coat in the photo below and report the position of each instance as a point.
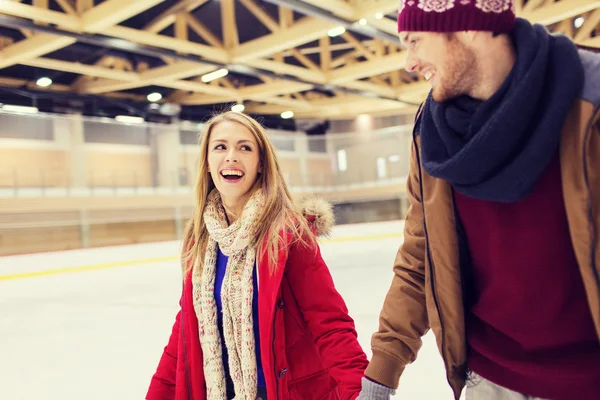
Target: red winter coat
(309, 346)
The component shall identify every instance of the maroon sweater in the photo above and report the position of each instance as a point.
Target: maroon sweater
(529, 326)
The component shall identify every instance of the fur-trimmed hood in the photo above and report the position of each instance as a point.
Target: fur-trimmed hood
(319, 213)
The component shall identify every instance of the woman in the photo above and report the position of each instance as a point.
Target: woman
(260, 316)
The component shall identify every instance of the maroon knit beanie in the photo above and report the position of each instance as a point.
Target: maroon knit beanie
(456, 15)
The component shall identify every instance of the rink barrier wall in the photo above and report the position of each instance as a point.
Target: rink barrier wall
(144, 261)
(71, 182)
(40, 224)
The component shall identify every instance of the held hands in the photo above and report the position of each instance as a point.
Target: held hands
(374, 391)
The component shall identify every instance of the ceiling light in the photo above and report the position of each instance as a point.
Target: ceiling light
(44, 82)
(394, 158)
(238, 108)
(19, 109)
(287, 114)
(362, 21)
(379, 15)
(211, 76)
(579, 22)
(337, 31)
(153, 97)
(129, 119)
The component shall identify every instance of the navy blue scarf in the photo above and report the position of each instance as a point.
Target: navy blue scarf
(497, 149)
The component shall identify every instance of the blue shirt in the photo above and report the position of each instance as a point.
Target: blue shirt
(219, 276)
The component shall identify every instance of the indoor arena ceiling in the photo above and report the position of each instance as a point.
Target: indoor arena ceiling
(324, 59)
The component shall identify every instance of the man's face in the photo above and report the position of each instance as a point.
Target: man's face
(443, 60)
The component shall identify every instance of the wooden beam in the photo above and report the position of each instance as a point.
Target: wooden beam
(307, 62)
(272, 89)
(286, 17)
(183, 98)
(590, 23)
(225, 83)
(203, 31)
(78, 68)
(15, 9)
(6, 41)
(33, 47)
(332, 47)
(152, 39)
(370, 8)
(261, 15)
(337, 7)
(67, 7)
(41, 4)
(325, 47)
(167, 18)
(202, 99)
(375, 67)
(230, 32)
(14, 82)
(379, 48)
(155, 76)
(112, 12)
(533, 4)
(565, 27)
(179, 70)
(593, 42)
(395, 74)
(281, 68)
(413, 92)
(288, 103)
(200, 87)
(303, 31)
(343, 106)
(84, 5)
(556, 12)
(381, 90)
(181, 27)
(519, 5)
(383, 24)
(348, 37)
(344, 58)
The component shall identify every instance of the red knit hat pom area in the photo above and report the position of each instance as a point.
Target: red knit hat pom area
(456, 15)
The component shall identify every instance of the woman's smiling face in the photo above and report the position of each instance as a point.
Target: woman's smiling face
(233, 160)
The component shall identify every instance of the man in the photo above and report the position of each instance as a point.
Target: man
(501, 256)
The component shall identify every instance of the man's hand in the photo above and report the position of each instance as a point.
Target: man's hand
(374, 391)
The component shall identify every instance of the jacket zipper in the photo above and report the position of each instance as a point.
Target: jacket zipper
(275, 354)
(431, 266)
(187, 371)
(592, 249)
(274, 325)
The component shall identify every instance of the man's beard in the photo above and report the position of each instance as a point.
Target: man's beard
(459, 75)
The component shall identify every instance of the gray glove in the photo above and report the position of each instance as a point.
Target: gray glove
(374, 391)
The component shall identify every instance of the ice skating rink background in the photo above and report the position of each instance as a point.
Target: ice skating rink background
(91, 324)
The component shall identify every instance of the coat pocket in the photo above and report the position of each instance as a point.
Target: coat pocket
(317, 386)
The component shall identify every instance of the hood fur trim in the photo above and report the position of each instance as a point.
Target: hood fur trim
(319, 213)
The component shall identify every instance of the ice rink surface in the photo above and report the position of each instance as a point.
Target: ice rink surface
(92, 324)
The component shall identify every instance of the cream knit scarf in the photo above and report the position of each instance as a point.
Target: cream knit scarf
(236, 296)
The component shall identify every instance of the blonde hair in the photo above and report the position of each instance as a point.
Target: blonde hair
(280, 214)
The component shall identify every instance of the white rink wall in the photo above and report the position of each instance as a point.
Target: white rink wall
(80, 259)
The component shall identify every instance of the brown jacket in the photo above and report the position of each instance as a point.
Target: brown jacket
(426, 289)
